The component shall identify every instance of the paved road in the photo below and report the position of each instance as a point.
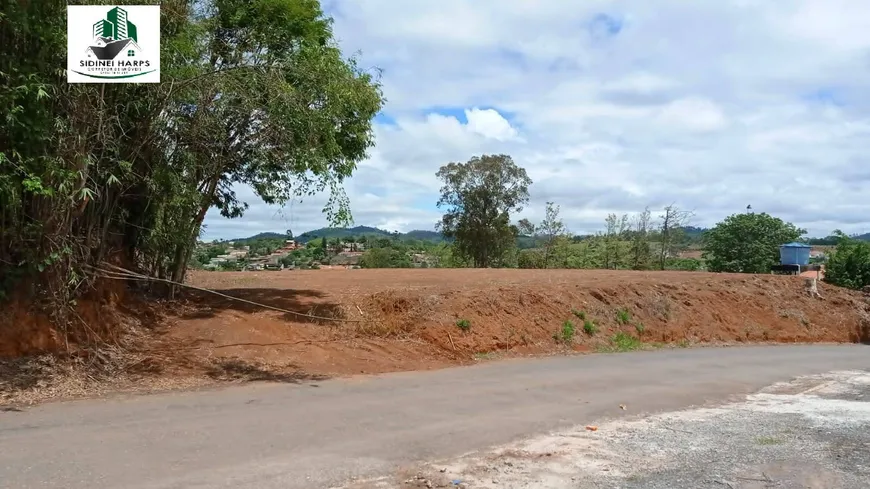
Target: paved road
(302, 436)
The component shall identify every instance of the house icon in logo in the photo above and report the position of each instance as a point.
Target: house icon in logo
(113, 35)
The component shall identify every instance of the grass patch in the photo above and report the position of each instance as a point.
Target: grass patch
(623, 316)
(581, 315)
(487, 355)
(622, 342)
(589, 327)
(683, 343)
(463, 324)
(639, 327)
(566, 334)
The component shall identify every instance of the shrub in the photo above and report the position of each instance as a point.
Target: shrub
(581, 315)
(623, 316)
(625, 342)
(684, 264)
(566, 335)
(589, 327)
(639, 328)
(849, 264)
(463, 324)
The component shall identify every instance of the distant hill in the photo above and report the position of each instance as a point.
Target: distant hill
(368, 231)
(692, 232)
(260, 236)
(341, 233)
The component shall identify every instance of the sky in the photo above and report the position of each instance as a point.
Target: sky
(610, 106)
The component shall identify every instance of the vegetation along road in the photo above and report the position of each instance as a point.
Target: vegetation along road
(325, 434)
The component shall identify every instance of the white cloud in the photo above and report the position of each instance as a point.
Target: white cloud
(612, 106)
(490, 124)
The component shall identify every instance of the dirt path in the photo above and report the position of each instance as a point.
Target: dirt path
(321, 435)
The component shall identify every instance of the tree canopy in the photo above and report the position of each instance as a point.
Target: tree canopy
(849, 264)
(747, 243)
(252, 92)
(479, 196)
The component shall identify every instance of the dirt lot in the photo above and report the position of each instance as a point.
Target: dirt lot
(408, 319)
(374, 321)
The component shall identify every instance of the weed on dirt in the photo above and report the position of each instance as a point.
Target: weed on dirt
(623, 316)
(622, 342)
(566, 334)
(463, 324)
(589, 327)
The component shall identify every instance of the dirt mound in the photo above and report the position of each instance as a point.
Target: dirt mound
(323, 323)
(410, 319)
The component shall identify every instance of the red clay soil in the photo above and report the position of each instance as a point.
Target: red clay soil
(388, 320)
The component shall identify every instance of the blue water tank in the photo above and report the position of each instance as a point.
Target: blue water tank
(794, 254)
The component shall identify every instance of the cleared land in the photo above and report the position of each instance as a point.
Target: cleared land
(375, 321)
(418, 319)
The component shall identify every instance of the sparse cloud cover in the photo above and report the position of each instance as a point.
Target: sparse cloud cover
(611, 106)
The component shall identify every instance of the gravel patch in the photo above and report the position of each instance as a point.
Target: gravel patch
(811, 433)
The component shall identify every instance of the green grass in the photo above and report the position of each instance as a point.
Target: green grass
(622, 342)
(566, 334)
(589, 327)
(639, 327)
(623, 316)
(581, 315)
(463, 324)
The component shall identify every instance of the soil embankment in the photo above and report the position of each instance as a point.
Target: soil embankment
(345, 322)
(411, 319)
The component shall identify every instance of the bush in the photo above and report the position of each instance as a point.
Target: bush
(566, 335)
(580, 314)
(623, 316)
(684, 264)
(849, 264)
(463, 324)
(589, 327)
(625, 342)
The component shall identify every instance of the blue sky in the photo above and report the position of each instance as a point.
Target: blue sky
(611, 106)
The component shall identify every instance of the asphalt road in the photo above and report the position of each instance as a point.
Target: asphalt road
(308, 436)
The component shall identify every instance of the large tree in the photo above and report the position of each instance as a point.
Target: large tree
(253, 93)
(747, 243)
(479, 196)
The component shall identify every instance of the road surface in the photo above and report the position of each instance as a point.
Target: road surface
(320, 435)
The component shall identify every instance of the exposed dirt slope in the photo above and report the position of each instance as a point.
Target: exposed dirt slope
(407, 319)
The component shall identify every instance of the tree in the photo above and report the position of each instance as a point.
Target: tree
(849, 263)
(612, 240)
(552, 229)
(640, 249)
(479, 196)
(385, 258)
(671, 232)
(747, 243)
(254, 92)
